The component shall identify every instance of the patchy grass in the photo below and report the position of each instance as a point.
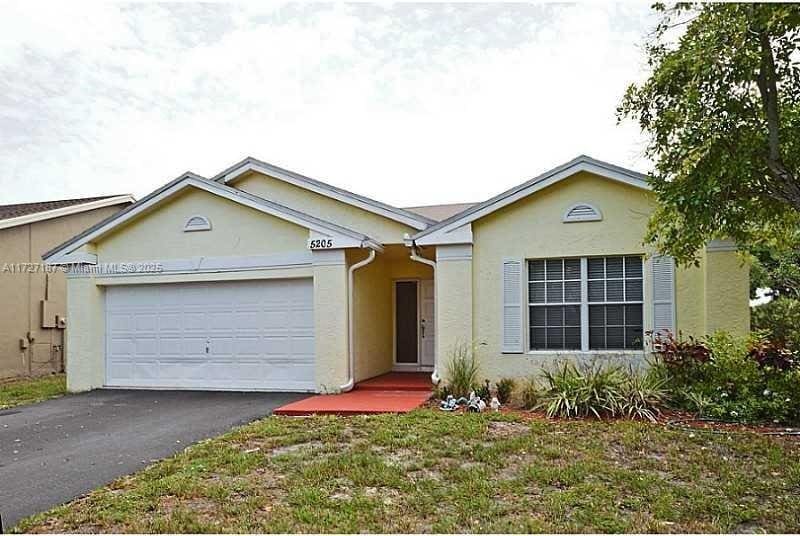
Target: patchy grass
(428, 471)
(30, 390)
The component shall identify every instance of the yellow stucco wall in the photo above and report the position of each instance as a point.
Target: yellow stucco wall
(330, 320)
(85, 363)
(533, 228)
(727, 291)
(236, 230)
(373, 225)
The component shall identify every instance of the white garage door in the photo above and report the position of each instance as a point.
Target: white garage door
(222, 335)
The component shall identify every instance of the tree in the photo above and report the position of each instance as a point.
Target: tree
(722, 113)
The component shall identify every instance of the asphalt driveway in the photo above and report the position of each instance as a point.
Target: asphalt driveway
(57, 450)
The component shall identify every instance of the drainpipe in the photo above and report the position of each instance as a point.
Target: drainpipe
(435, 378)
(351, 352)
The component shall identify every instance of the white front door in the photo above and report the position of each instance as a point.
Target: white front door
(427, 323)
(233, 335)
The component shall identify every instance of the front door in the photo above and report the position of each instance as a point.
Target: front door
(414, 327)
(406, 320)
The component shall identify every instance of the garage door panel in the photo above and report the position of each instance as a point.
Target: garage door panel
(221, 335)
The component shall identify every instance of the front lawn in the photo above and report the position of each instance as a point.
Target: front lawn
(429, 471)
(30, 390)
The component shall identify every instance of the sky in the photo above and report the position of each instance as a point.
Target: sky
(409, 104)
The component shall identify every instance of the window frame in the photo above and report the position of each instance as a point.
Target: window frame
(584, 304)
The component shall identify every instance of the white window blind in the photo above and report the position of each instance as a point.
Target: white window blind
(663, 294)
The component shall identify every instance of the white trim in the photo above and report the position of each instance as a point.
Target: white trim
(721, 245)
(568, 217)
(454, 252)
(328, 257)
(323, 189)
(584, 304)
(457, 235)
(345, 237)
(196, 223)
(65, 211)
(587, 353)
(206, 265)
(438, 233)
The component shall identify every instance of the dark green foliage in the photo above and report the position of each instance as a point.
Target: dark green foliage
(744, 380)
(722, 112)
(505, 388)
(778, 320)
(484, 391)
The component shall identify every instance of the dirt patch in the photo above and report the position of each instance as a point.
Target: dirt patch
(402, 458)
(503, 430)
(288, 449)
(425, 474)
(515, 465)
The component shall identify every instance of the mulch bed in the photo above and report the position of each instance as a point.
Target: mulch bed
(676, 420)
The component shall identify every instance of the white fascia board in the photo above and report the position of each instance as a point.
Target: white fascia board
(458, 235)
(216, 189)
(77, 257)
(326, 191)
(433, 237)
(65, 211)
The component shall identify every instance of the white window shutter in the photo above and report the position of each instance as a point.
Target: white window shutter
(512, 306)
(663, 294)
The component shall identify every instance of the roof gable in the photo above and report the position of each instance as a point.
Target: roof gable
(452, 230)
(249, 164)
(345, 236)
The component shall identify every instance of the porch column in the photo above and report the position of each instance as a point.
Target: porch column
(86, 317)
(330, 319)
(453, 300)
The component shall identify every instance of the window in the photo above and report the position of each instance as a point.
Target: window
(554, 296)
(593, 303)
(615, 303)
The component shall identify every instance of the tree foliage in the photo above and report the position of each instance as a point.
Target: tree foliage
(722, 113)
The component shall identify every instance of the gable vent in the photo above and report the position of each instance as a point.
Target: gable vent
(197, 223)
(582, 212)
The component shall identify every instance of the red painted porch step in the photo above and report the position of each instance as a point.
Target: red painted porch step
(398, 381)
(390, 393)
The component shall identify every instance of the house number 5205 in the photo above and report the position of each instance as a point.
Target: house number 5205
(320, 243)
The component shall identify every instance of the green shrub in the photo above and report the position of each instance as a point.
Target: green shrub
(588, 390)
(643, 394)
(529, 393)
(744, 379)
(484, 391)
(504, 388)
(778, 320)
(594, 390)
(462, 369)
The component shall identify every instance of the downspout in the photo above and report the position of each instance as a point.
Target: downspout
(435, 377)
(351, 352)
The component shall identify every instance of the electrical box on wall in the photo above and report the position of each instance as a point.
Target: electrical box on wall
(48, 315)
(23, 344)
(61, 322)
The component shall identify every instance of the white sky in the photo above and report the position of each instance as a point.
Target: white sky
(406, 103)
